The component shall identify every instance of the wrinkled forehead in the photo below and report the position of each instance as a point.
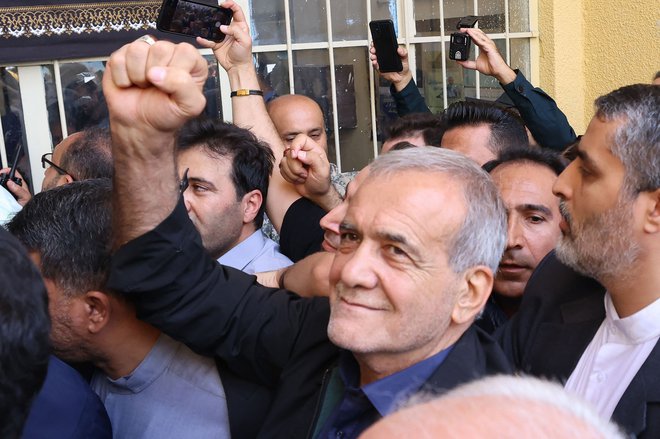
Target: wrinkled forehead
(430, 202)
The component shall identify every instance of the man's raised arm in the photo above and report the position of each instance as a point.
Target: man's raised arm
(249, 111)
(152, 88)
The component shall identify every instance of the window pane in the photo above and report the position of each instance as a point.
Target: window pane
(54, 121)
(349, 19)
(267, 22)
(11, 118)
(384, 9)
(273, 72)
(427, 17)
(308, 21)
(385, 109)
(492, 16)
(311, 73)
(84, 103)
(460, 82)
(518, 15)
(212, 90)
(429, 75)
(454, 11)
(520, 55)
(353, 107)
(490, 87)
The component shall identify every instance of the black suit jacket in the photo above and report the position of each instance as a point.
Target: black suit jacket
(274, 339)
(560, 314)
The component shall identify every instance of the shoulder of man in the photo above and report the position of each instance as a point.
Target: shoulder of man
(66, 407)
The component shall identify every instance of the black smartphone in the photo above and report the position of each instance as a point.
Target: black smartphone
(384, 38)
(193, 19)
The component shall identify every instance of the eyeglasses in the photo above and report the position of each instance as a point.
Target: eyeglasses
(46, 163)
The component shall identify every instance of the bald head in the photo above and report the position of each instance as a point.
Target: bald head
(298, 114)
(498, 407)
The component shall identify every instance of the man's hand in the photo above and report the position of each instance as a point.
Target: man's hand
(21, 193)
(305, 165)
(235, 51)
(489, 62)
(155, 86)
(152, 89)
(398, 79)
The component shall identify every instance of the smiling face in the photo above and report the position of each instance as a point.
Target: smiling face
(533, 222)
(598, 236)
(393, 288)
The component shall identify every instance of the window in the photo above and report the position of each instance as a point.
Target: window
(314, 47)
(320, 49)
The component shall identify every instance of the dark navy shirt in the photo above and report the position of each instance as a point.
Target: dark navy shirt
(360, 407)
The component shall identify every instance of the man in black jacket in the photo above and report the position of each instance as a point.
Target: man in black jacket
(405, 289)
(592, 318)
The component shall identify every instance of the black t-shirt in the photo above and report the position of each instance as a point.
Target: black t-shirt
(301, 234)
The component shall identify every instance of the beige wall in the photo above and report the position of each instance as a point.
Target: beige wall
(590, 47)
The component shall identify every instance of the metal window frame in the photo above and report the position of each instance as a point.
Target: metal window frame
(33, 93)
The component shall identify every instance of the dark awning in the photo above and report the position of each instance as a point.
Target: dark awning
(48, 29)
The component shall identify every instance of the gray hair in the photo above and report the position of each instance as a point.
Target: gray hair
(482, 237)
(637, 140)
(528, 390)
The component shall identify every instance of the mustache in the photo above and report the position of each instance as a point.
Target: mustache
(564, 212)
(513, 257)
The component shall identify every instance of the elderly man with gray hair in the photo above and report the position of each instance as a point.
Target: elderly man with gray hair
(405, 289)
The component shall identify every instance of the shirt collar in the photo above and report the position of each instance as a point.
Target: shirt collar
(638, 328)
(241, 255)
(151, 367)
(388, 393)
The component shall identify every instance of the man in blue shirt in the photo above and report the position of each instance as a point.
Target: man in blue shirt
(227, 172)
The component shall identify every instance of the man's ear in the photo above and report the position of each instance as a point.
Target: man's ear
(251, 203)
(97, 310)
(651, 203)
(67, 178)
(477, 285)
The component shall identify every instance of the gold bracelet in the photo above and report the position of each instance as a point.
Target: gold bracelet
(246, 92)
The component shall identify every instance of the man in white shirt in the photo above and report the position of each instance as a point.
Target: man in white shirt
(602, 337)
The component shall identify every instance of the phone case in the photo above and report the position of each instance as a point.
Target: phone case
(384, 38)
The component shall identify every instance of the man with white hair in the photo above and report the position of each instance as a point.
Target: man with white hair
(405, 290)
(498, 407)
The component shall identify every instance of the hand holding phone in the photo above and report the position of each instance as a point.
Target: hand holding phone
(193, 19)
(459, 42)
(384, 38)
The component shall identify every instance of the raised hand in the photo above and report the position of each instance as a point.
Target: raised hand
(157, 86)
(21, 193)
(305, 165)
(398, 79)
(489, 62)
(236, 49)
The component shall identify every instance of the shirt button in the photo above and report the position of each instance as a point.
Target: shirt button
(520, 89)
(600, 377)
(340, 434)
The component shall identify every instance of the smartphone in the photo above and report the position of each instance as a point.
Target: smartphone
(384, 38)
(193, 19)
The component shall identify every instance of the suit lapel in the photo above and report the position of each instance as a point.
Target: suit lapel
(632, 409)
(559, 345)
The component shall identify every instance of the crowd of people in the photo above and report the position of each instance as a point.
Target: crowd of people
(489, 274)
